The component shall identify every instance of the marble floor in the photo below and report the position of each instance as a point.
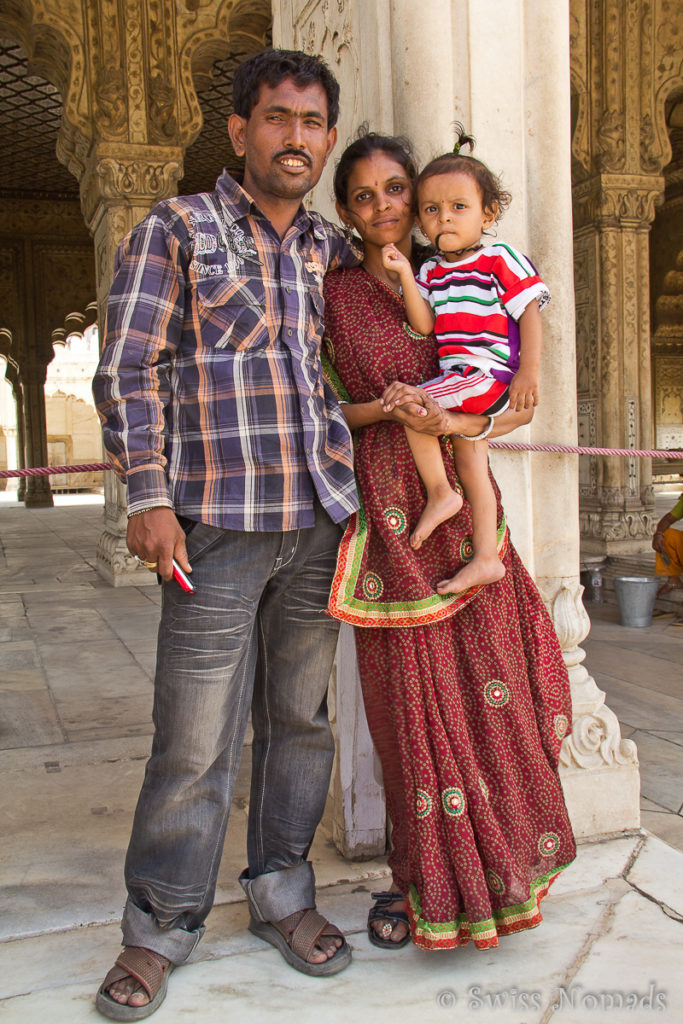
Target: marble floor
(76, 659)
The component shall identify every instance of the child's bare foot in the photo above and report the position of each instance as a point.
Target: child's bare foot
(441, 506)
(482, 569)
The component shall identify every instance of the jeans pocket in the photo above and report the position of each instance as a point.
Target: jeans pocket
(200, 538)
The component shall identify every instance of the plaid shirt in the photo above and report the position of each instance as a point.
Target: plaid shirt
(210, 388)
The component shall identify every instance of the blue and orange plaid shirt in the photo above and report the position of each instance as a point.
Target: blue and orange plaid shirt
(210, 387)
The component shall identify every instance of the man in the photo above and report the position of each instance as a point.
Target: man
(238, 466)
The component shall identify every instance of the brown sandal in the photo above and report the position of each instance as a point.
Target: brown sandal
(296, 936)
(142, 965)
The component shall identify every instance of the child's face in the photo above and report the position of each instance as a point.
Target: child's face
(450, 212)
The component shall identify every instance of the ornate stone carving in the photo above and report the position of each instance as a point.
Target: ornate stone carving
(595, 742)
(633, 525)
(611, 144)
(143, 179)
(588, 436)
(617, 200)
(570, 620)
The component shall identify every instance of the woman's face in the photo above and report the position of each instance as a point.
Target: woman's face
(379, 200)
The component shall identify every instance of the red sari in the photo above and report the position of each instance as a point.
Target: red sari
(467, 695)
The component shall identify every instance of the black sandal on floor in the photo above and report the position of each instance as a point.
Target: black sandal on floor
(380, 912)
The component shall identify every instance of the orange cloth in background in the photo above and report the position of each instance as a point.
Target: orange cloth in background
(673, 545)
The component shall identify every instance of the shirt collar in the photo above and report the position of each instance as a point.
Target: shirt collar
(238, 204)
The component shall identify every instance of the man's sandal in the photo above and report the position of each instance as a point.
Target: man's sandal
(381, 912)
(142, 965)
(297, 935)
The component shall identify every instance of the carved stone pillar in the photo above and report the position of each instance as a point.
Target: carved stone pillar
(38, 491)
(119, 186)
(626, 70)
(599, 771)
(667, 350)
(21, 437)
(539, 491)
(613, 213)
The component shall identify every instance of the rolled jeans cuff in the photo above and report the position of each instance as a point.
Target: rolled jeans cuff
(278, 894)
(141, 929)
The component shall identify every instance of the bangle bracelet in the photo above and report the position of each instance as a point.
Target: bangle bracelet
(478, 437)
(141, 511)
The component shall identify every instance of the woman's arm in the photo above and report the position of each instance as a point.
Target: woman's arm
(362, 414)
(664, 523)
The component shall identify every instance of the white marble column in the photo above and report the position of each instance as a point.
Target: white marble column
(503, 70)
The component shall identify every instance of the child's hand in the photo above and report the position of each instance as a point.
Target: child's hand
(523, 390)
(394, 261)
(404, 395)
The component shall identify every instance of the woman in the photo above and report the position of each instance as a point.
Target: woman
(668, 543)
(466, 694)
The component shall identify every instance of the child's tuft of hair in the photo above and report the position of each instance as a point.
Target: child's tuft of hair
(493, 195)
(462, 138)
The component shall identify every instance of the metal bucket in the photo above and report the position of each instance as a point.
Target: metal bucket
(636, 597)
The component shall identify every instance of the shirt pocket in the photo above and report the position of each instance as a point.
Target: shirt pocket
(231, 313)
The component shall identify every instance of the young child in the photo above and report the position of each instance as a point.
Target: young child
(482, 299)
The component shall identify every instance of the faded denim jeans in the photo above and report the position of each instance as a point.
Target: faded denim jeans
(254, 635)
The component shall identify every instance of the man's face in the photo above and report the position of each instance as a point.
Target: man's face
(285, 141)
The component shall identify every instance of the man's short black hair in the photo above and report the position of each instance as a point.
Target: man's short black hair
(271, 67)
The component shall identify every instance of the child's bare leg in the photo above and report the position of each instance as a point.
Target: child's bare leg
(471, 459)
(442, 501)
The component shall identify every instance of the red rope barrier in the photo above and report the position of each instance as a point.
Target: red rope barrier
(90, 467)
(511, 446)
(640, 453)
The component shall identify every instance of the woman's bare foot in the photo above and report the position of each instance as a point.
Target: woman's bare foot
(481, 570)
(441, 505)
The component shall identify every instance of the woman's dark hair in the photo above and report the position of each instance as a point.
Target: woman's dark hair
(364, 145)
(271, 67)
(492, 192)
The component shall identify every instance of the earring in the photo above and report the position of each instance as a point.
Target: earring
(353, 240)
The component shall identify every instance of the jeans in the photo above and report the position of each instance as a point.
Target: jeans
(255, 634)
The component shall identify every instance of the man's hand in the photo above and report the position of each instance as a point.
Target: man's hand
(524, 390)
(157, 536)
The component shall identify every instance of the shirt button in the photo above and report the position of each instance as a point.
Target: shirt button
(288, 289)
(289, 332)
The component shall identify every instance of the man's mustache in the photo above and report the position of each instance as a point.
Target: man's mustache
(293, 152)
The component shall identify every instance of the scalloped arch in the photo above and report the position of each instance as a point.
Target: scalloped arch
(244, 25)
(671, 88)
(55, 50)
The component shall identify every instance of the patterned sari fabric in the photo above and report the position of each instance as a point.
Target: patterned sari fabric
(467, 695)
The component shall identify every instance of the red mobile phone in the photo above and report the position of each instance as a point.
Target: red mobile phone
(182, 578)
